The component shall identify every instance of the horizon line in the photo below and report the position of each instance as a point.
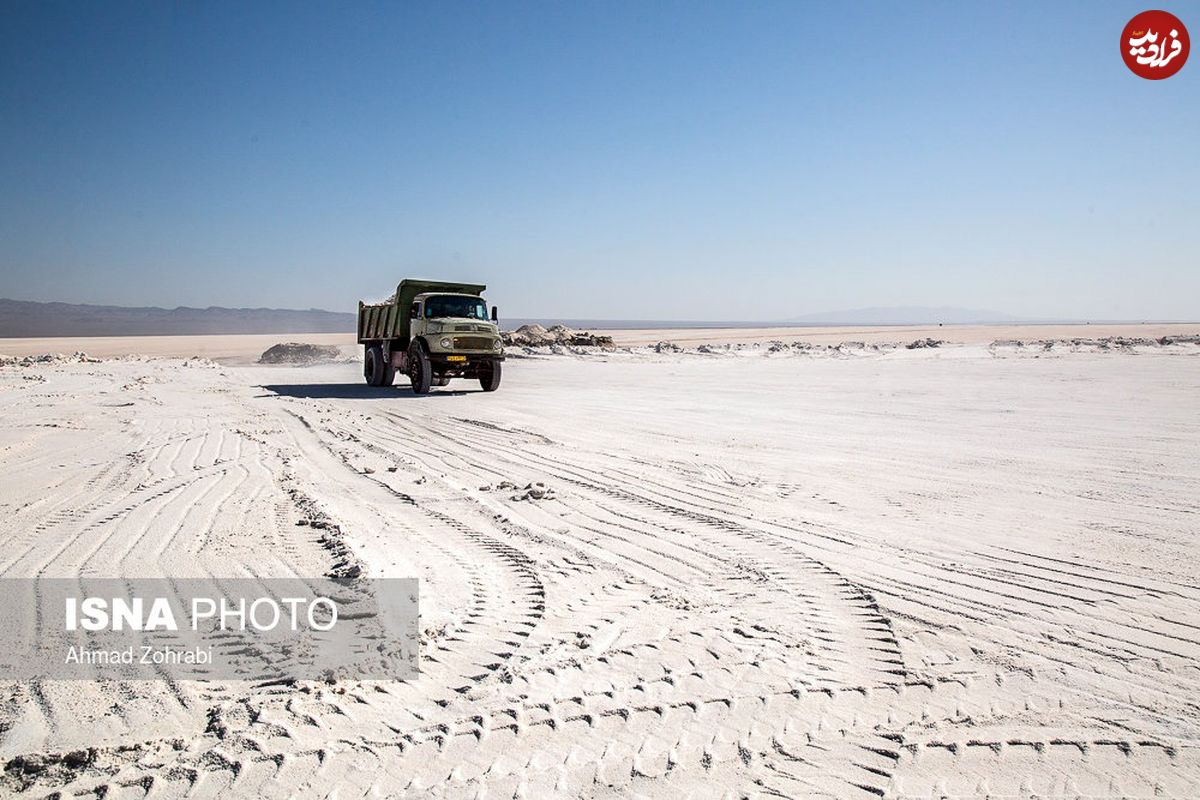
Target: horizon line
(1002, 318)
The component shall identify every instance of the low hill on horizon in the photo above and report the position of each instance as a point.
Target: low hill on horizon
(28, 319)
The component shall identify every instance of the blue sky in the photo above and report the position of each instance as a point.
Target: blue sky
(599, 160)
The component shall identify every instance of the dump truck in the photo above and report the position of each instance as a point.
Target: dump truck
(431, 331)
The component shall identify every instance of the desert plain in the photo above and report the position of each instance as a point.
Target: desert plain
(808, 564)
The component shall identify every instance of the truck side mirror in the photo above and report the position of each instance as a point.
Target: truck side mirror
(495, 314)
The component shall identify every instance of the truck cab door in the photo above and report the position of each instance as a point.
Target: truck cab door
(416, 321)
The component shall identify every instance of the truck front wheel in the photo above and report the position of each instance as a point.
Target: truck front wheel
(376, 368)
(489, 376)
(420, 371)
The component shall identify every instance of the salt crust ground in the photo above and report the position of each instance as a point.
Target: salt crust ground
(963, 571)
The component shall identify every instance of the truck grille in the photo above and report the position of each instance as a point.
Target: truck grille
(472, 343)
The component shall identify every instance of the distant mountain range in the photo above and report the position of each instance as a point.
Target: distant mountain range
(21, 318)
(906, 315)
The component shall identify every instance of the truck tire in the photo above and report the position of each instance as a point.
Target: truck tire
(489, 376)
(376, 369)
(420, 371)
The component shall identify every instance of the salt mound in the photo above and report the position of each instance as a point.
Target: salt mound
(299, 353)
(530, 335)
(536, 336)
(78, 357)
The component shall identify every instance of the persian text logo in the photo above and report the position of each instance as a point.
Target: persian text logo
(1155, 45)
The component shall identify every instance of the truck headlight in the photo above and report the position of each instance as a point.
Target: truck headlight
(445, 344)
(497, 344)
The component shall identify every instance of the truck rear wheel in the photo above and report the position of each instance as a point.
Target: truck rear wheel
(420, 371)
(376, 368)
(489, 376)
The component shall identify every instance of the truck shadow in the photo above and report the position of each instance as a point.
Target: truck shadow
(354, 391)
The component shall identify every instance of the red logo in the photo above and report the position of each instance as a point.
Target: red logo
(1155, 45)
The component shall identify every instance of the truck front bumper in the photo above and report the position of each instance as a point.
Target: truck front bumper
(462, 362)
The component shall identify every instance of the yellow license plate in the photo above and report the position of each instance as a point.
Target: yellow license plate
(456, 358)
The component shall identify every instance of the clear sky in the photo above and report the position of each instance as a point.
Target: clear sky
(599, 160)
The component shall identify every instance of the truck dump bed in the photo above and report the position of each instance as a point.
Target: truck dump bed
(380, 321)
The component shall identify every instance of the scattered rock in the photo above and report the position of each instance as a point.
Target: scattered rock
(225, 721)
(584, 339)
(535, 491)
(919, 344)
(345, 563)
(1102, 345)
(32, 764)
(38, 763)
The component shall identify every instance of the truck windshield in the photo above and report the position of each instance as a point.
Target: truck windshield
(453, 306)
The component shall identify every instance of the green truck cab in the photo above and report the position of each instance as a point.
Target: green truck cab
(431, 331)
